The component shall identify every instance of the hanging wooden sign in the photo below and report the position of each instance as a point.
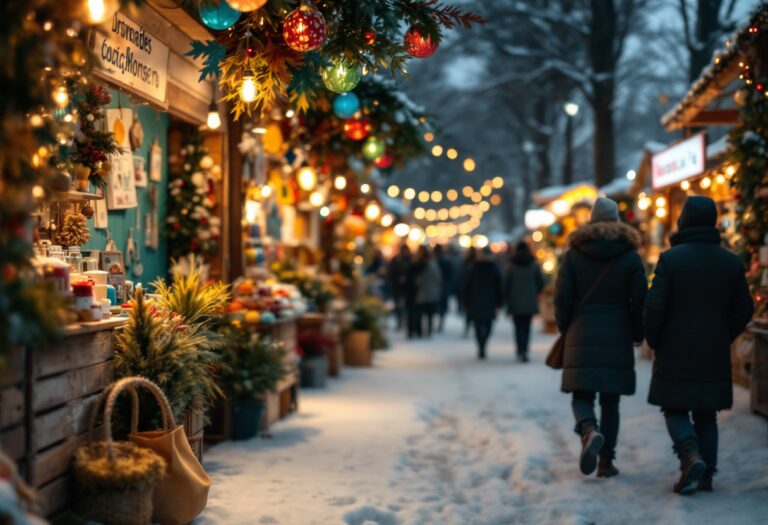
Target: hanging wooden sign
(132, 58)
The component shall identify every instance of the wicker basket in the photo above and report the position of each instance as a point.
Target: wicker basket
(116, 479)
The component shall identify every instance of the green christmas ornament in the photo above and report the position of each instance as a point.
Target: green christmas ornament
(373, 148)
(341, 76)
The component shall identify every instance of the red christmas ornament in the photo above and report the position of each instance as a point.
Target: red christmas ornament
(357, 128)
(418, 44)
(370, 37)
(250, 51)
(304, 29)
(384, 162)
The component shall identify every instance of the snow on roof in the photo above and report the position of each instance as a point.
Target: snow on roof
(723, 60)
(618, 186)
(550, 193)
(654, 147)
(717, 148)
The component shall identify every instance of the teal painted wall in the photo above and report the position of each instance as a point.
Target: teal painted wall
(155, 262)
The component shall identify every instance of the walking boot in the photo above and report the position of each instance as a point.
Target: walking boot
(591, 443)
(692, 470)
(606, 469)
(705, 485)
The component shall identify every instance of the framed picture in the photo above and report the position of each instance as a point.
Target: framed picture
(121, 182)
(155, 162)
(112, 263)
(139, 172)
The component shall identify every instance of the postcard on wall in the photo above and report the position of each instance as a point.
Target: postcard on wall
(112, 263)
(140, 173)
(155, 162)
(121, 183)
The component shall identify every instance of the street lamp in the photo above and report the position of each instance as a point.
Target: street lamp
(571, 110)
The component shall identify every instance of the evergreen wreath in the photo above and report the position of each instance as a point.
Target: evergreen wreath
(191, 226)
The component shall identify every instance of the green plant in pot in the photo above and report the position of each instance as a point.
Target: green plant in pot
(251, 365)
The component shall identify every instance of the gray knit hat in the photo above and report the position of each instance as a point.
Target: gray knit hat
(605, 210)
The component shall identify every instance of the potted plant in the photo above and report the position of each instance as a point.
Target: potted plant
(357, 340)
(314, 347)
(251, 365)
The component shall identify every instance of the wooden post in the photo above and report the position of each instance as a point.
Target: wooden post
(234, 205)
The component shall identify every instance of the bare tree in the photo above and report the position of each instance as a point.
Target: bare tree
(703, 33)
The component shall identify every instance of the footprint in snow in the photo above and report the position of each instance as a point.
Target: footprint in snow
(371, 516)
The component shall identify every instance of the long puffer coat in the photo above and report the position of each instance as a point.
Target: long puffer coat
(523, 283)
(482, 291)
(698, 304)
(598, 345)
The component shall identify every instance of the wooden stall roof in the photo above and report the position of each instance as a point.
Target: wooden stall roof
(724, 69)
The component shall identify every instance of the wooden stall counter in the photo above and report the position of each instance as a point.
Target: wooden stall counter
(44, 400)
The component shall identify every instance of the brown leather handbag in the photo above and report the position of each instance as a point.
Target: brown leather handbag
(556, 354)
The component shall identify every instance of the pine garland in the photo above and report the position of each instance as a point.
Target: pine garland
(748, 153)
(282, 72)
(191, 226)
(94, 145)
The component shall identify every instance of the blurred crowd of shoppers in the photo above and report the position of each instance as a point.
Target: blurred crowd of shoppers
(424, 286)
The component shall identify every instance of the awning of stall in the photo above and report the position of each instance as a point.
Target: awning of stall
(177, 88)
(709, 102)
(560, 199)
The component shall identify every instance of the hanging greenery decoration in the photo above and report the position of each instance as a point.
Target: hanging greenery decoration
(748, 153)
(368, 35)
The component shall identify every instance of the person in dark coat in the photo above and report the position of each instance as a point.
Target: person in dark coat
(523, 282)
(599, 358)
(411, 288)
(446, 271)
(482, 293)
(397, 270)
(698, 304)
(429, 283)
(466, 267)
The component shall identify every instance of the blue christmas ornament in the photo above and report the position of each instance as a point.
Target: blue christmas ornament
(268, 318)
(346, 105)
(218, 16)
(556, 229)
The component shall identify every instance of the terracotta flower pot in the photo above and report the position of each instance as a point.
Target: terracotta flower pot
(357, 348)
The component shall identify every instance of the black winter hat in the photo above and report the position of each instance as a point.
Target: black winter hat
(698, 211)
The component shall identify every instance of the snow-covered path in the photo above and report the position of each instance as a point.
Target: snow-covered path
(432, 436)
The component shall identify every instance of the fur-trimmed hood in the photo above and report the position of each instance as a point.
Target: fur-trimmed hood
(604, 240)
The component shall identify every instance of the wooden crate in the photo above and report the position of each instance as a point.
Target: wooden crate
(759, 387)
(285, 399)
(742, 358)
(45, 397)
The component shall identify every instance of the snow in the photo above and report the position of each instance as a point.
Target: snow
(430, 435)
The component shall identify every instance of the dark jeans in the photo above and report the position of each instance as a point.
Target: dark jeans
(522, 332)
(483, 331)
(414, 320)
(699, 436)
(583, 404)
(427, 315)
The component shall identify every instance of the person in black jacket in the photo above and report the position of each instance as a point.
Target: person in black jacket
(397, 271)
(698, 304)
(599, 357)
(523, 282)
(482, 293)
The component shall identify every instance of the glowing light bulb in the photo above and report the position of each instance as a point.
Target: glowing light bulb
(631, 175)
(469, 165)
(436, 196)
(423, 196)
(307, 178)
(481, 241)
(437, 150)
(248, 87)
(266, 191)
(644, 203)
(340, 182)
(537, 236)
(429, 137)
(685, 185)
(98, 11)
(325, 211)
(409, 194)
(661, 202)
(705, 183)
(372, 211)
(720, 179)
(393, 191)
(465, 241)
(402, 229)
(214, 119)
(661, 213)
(452, 153)
(61, 97)
(387, 220)
(365, 188)
(316, 199)
(452, 195)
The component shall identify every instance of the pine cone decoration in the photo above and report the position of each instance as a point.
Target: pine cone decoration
(74, 229)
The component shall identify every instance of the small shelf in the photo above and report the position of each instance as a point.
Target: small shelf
(75, 196)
